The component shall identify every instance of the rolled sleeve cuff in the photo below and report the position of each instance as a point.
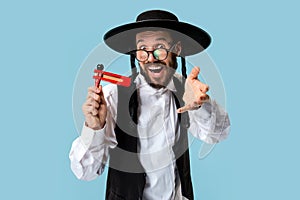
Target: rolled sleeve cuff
(88, 139)
(209, 123)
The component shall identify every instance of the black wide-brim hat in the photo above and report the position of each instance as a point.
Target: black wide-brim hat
(193, 39)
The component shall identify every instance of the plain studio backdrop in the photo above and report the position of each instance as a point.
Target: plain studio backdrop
(255, 48)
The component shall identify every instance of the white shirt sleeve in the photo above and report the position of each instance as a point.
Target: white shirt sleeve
(89, 152)
(210, 123)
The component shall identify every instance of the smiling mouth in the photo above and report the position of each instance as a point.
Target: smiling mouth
(155, 69)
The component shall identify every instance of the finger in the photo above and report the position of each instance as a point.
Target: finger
(93, 95)
(102, 99)
(101, 95)
(206, 99)
(87, 111)
(92, 102)
(194, 73)
(92, 91)
(95, 89)
(90, 110)
(202, 99)
(183, 109)
(202, 86)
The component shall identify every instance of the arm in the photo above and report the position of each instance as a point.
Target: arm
(89, 152)
(208, 121)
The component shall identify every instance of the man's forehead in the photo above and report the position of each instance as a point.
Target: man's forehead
(153, 35)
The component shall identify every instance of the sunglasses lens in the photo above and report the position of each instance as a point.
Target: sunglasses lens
(141, 55)
(160, 54)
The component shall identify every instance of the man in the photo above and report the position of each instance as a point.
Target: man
(143, 128)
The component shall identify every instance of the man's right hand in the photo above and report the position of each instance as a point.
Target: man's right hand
(94, 108)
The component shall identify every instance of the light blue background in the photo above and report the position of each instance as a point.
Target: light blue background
(255, 46)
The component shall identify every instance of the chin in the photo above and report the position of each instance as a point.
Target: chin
(161, 83)
(158, 82)
(156, 86)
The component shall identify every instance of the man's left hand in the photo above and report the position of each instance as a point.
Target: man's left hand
(195, 92)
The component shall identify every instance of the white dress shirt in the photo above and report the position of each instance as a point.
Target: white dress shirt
(157, 125)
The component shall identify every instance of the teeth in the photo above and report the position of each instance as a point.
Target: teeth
(155, 68)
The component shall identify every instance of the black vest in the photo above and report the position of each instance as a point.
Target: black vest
(126, 176)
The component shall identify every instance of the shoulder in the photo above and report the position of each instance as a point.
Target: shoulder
(178, 77)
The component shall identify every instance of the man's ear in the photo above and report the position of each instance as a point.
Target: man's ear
(178, 48)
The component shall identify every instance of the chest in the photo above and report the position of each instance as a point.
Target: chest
(157, 121)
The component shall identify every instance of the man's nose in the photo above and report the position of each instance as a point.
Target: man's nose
(151, 57)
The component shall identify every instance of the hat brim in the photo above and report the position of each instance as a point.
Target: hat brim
(194, 39)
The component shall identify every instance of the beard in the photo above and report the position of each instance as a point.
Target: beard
(158, 74)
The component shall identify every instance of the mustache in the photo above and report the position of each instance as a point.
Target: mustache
(156, 63)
